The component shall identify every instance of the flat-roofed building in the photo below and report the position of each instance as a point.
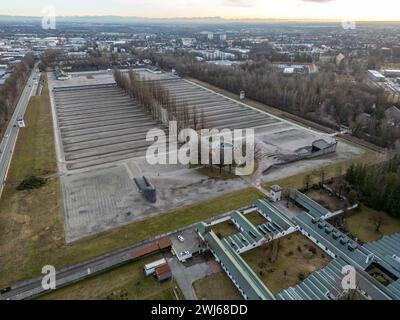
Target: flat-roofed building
(392, 73)
(163, 273)
(376, 76)
(150, 269)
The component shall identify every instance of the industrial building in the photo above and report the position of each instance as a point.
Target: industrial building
(150, 268)
(161, 245)
(392, 115)
(61, 75)
(295, 68)
(163, 273)
(376, 76)
(371, 261)
(392, 73)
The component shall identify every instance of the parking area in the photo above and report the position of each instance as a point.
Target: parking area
(186, 242)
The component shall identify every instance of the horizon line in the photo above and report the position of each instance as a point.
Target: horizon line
(292, 19)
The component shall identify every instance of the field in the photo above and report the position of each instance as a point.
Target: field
(359, 223)
(125, 283)
(330, 202)
(59, 254)
(31, 221)
(294, 261)
(225, 229)
(256, 219)
(216, 287)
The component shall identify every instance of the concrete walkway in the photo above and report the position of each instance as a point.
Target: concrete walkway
(186, 276)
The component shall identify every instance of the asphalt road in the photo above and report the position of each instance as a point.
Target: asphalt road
(32, 288)
(10, 137)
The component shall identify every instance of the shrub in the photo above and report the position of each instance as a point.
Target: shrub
(301, 276)
(31, 183)
(289, 254)
(313, 250)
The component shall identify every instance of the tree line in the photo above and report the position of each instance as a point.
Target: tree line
(325, 97)
(163, 106)
(378, 185)
(12, 88)
(159, 102)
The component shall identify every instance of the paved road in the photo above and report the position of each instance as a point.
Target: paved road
(10, 137)
(185, 276)
(33, 287)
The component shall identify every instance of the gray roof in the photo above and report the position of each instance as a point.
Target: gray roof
(244, 276)
(320, 285)
(388, 251)
(393, 112)
(275, 217)
(348, 250)
(333, 239)
(387, 246)
(314, 208)
(249, 229)
(248, 237)
(326, 284)
(321, 144)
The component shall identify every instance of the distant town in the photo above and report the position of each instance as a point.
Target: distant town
(317, 105)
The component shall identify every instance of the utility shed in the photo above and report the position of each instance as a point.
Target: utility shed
(323, 146)
(163, 273)
(159, 246)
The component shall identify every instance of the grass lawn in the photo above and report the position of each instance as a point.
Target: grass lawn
(125, 283)
(331, 202)
(225, 229)
(216, 287)
(359, 224)
(49, 246)
(293, 256)
(31, 223)
(256, 219)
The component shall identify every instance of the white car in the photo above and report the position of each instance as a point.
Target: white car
(181, 238)
(184, 253)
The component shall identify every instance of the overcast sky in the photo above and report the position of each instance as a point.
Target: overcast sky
(315, 9)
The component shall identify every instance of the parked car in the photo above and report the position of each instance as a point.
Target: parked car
(181, 238)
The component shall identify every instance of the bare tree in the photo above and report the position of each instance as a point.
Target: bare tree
(378, 219)
(307, 182)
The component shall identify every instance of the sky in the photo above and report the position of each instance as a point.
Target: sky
(277, 9)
